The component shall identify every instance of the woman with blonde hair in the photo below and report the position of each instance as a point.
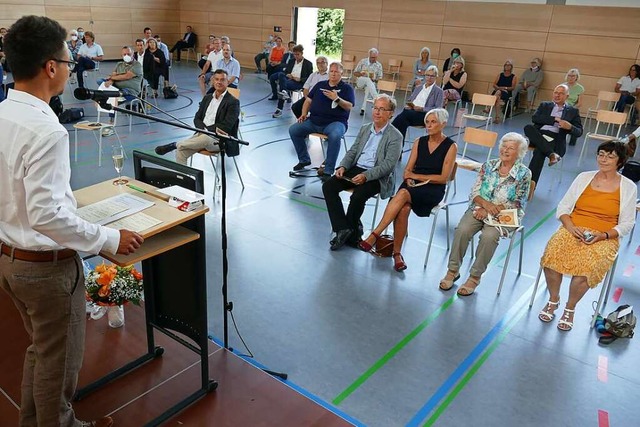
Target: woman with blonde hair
(454, 80)
(420, 66)
(503, 86)
(575, 93)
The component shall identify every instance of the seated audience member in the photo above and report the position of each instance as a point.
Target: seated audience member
(424, 98)
(207, 50)
(431, 161)
(138, 55)
(187, 41)
(293, 78)
(264, 55)
(629, 88)
(502, 183)
(598, 208)
(164, 48)
(74, 45)
(210, 64)
(88, 55)
(328, 105)
(154, 65)
(530, 81)
(367, 73)
(319, 76)
(367, 169)
(575, 94)
(631, 142)
(448, 63)
(80, 31)
(420, 66)
(219, 112)
(275, 56)
(230, 65)
(454, 80)
(552, 120)
(503, 87)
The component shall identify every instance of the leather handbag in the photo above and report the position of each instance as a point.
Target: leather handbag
(384, 246)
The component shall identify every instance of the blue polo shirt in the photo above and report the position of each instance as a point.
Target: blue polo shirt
(321, 113)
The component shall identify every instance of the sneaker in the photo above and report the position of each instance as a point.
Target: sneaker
(108, 131)
(277, 114)
(284, 95)
(161, 150)
(301, 166)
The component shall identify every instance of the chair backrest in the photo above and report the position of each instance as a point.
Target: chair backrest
(483, 99)
(395, 64)
(348, 58)
(387, 86)
(607, 96)
(611, 117)
(234, 92)
(483, 138)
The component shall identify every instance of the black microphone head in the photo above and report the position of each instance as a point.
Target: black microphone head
(82, 93)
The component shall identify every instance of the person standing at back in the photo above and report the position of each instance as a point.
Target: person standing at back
(40, 233)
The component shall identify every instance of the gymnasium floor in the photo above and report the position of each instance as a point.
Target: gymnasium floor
(388, 348)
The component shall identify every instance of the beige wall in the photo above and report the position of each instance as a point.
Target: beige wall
(601, 41)
(115, 22)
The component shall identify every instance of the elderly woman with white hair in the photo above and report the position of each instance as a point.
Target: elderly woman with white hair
(454, 80)
(575, 93)
(502, 183)
(421, 65)
(429, 166)
(74, 44)
(368, 72)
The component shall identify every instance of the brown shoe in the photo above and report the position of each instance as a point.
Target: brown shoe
(102, 422)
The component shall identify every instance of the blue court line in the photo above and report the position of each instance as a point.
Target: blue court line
(326, 405)
(456, 375)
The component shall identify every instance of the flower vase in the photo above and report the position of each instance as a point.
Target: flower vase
(115, 314)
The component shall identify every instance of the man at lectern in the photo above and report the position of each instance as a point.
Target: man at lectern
(40, 234)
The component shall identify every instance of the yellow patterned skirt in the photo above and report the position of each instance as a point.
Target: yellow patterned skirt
(568, 255)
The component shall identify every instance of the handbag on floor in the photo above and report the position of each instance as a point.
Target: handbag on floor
(384, 246)
(170, 92)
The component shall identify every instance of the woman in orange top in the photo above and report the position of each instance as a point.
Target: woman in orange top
(598, 208)
(275, 56)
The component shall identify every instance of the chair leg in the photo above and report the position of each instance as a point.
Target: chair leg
(506, 263)
(238, 171)
(521, 250)
(535, 287)
(447, 229)
(375, 213)
(433, 230)
(604, 292)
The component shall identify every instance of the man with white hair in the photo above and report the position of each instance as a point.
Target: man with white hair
(424, 98)
(368, 72)
(552, 122)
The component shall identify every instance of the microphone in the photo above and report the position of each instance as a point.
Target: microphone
(96, 95)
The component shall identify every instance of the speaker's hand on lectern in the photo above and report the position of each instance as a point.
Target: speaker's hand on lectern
(129, 242)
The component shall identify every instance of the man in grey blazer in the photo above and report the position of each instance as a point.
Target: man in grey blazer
(367, 168)
(423, 99)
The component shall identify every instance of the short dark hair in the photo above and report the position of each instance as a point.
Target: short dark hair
(32, 41)
(139, 40)
(298, 48)
(145, 29)
(293, 42)
(617, 147)
(221, 71)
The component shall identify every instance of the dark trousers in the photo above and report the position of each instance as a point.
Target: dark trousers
(287, 84)
(181, 44)
(83, 64)
(624, 101)
(361, 193)
(258, 60)
(543, 148)
(272, 69)
(296, 107)
(202, 62)
(408, 118)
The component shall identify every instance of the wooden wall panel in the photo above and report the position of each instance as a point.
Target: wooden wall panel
(111, 3)
(101, 28)
(428, 33)
(594, 66)
(111, 13)
(65, 3)
(59, 13)
(490, 55)
(361, 28)
(157, 15)
(497, 15)
(233, 19)
(202, 5)
(12, 12)
(593, 45)
(409, 49)
(241, 6)
(496, 38)
(360, 10)
(284, 21)
(602, 21)
(413, 12)
(193, 18)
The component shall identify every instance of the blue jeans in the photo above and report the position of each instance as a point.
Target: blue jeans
(334, 131)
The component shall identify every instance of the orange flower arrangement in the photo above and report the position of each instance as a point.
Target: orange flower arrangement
(109, 285)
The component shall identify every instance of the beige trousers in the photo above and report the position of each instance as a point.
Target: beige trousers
(193, 144)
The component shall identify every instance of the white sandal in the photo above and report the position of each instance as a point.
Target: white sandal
(563, 323)
(544, 314)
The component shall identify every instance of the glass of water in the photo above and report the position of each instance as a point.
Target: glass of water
(117, 154)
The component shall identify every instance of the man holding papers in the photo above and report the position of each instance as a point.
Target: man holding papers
(40, 232)
(367, 170)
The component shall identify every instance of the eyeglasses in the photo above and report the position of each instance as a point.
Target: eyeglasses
(70, 64)
(430, 76)
(380, 109)
(609, 156)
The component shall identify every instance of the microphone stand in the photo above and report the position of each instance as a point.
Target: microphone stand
(223, 140)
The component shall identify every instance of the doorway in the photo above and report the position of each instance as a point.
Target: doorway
(320, 31)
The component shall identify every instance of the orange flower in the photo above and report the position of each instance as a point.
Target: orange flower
(106, 277)
(101, 268)
(104, 291)
(136, 274)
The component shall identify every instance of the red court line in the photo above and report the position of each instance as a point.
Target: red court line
(617, 294)
(628, 271)
(638, 251)
(603, 368)
(603, 418)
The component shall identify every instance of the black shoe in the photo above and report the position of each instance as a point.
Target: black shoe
(356, 237)
(362, 112)
(161, 150)
(572, 142)
(299, 166)
(341, 238)
(273, 98)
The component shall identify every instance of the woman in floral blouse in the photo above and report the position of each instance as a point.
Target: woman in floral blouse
(502, 183)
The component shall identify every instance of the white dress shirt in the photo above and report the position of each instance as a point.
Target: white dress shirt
(297, 69)
(38, 208)
(212, 109)
(422, 97)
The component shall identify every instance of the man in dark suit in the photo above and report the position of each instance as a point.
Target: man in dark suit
(189, 40)
(293, 77)
(219, 112)
(367, 168)
(552, 122)
(423, 99)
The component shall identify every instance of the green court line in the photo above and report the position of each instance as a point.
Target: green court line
(302, 202)
(408, 338)
(391, 353)
(474, 369)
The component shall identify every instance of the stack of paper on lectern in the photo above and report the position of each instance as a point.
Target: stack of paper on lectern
(120, 212)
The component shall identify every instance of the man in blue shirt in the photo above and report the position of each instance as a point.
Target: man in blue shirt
(367, 169)
(328, 106)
